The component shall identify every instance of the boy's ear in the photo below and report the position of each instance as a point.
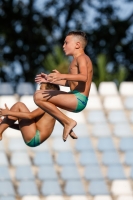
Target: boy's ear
(78, 45)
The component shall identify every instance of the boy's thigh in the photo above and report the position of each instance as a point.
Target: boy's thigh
(27, 128)
(60, 99)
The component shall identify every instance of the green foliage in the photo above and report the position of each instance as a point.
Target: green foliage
(103, 74)
(101, 63)
(122, 74)
(23, 32)
(56, 60)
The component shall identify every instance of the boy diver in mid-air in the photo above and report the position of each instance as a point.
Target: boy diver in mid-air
(78, 79)
(35, 126)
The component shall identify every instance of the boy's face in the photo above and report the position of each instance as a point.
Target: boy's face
(69, 45)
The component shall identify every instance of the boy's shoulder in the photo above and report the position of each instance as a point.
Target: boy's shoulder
(83, 56)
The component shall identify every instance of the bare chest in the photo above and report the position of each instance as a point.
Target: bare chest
(73, 69)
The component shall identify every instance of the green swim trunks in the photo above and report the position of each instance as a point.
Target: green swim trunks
(35, 141)
(81, 100)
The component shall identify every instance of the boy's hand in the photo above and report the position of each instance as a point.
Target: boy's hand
(55, 71)
(4, 112)
(41, 78)
(56, 76)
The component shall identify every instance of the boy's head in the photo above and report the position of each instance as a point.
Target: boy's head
(49, 86)
(79, 36)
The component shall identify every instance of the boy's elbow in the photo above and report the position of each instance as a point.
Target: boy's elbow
(85, 79)
(30, 116)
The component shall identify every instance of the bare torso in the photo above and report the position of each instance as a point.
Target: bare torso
(45, 123)
(83, 87)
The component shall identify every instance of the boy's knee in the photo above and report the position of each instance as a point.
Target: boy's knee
(20, 104)
(36, 97)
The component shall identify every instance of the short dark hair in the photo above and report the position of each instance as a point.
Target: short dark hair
(51, 86)
(82, 34)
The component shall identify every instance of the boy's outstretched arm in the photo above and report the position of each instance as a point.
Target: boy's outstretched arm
(21, 115)
(81, 76)
(54, 78)
(44, 78)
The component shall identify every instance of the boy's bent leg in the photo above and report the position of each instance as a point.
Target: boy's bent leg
(61, 99)
(9, 120)
(49, 104)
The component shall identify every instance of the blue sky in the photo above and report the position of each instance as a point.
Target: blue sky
(125, 8)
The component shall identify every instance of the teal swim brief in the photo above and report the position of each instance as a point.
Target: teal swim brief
(35, 141)
(81, 100)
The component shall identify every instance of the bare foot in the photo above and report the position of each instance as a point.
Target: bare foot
(68, 129)
(73, 135)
